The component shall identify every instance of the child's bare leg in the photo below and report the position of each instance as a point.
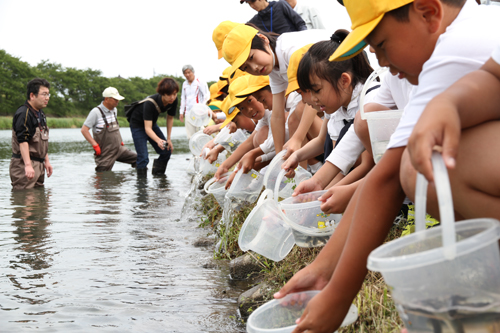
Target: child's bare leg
(475, 181)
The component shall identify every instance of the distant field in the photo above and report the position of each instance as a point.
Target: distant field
(6, 122)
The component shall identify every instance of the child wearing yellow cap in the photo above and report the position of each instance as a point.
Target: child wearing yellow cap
(432, 44)
(261, 53)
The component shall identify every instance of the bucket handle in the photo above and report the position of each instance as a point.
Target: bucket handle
(281, 174)
(371, 78)
(265, 194)
(445, 201)
(208, 184)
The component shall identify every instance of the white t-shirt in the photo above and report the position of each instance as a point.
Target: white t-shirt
(496, 54)
(394, 93)
(286, 45)
(465, 46)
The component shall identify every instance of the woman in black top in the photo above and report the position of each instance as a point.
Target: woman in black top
(144, 128)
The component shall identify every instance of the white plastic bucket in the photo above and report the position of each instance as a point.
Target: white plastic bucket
(288, 185)
(217, 188)
(197, 141)
(381, 124)
(233, 140)
(273, 169)
(279, 315)
(206, 167)
(199, 115)
(447, 278)
(246, 187)
(265, 230)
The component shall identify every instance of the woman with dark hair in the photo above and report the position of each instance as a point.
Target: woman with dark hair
(144, 128)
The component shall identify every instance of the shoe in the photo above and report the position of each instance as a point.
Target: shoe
(159, 167)
(142, 172)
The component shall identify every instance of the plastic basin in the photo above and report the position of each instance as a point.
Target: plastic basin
(199, 115)
(279, 315)
(246, 187)
(197, 141)
(217, 188)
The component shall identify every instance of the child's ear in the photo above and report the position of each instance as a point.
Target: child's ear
(264, 38)
(345, 81)
(431, 11)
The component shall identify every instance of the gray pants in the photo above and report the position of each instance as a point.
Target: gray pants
(190, 129)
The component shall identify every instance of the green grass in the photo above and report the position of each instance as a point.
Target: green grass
(77, 122)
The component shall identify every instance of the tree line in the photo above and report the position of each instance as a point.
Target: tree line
(73, 92)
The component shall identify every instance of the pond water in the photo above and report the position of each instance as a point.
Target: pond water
(107, 252)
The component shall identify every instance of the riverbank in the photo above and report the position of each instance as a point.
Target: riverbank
(6, 122)
(377, 312)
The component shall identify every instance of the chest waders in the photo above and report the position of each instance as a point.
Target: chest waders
(109, 140)
(38, 148)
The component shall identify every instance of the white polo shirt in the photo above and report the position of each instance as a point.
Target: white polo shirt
(286, 45)
(196, 92)
(464, 47)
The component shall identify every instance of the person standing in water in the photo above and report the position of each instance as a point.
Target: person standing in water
(106, 139)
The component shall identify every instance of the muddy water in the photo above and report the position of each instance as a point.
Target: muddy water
(107, 252)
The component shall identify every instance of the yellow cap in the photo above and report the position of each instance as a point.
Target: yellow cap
(230, 108)
(215, 105)
(214, 90)
(220, 33)
(365, 15)
(293, 66)
(236, 47)
(254, 83)
(226, 77)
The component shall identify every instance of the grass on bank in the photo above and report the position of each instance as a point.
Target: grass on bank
(6, 122)
(377, 312)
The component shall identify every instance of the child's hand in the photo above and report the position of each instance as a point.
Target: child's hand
(220, 171)
(336, 199)
(246, 163)
(311, 277)
(211, 129)
(230, 180)
(291, 162)
(210, 144)
(439, 125)
(291, 147)
(212, 156)
(307, 186)
(318, 316)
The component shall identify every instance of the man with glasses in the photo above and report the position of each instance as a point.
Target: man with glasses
(30, 139)
(106, 139)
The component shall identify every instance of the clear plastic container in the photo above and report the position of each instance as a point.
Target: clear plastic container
(311, 227)
(206, 167)
(265, 230)
(233, 140)
(290, 184)
(273, 170)
(381, 124)
(197, 141)
(246, 187)
(199, 115)
(447, 278)
(217, 188)
(279, 315)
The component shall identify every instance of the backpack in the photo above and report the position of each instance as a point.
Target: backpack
(129, 109)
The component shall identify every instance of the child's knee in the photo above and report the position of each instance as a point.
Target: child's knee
(361, 128)
(408, 176)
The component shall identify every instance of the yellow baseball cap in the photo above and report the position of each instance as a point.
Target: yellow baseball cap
(365, 16)
(230, 108)
(293, 66)
(215, 105)
(214, 90)
(236, 47)
(254, 83)
(220, 33)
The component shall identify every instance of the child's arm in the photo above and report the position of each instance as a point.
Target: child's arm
(242, 149)
(472, 100)
(278, 121)
(307, 119)
(360, 171)
(214, 153)
(319, 181)
(363, 228)
(248, 160)
(337, 198)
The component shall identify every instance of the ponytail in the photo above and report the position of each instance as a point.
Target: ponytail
(316, 62)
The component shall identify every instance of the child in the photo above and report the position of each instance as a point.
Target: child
(260, 53)
(430, 43)
(219, 34)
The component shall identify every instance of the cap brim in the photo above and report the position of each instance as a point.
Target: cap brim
(354, 43)
(229, 118)
(220, 53)
(250, 90)
(240, 60)
(292, 86)
(120, 97)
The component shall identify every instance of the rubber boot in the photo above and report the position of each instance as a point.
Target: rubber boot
(142, 172)
(159, 167)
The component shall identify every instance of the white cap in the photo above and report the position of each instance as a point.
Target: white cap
(112, 92)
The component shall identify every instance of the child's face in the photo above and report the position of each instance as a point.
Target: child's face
(244, 122)
(252, 108)
(258, 63)
(307, 98)
(265, 97)
(324, 95)
(404, 47)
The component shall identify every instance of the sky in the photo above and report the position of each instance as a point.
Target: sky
(129, 37)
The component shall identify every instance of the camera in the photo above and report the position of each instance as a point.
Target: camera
(165, 144)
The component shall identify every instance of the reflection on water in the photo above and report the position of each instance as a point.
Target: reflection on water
(106, 252)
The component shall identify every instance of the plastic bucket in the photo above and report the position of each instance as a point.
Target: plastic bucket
(197, 141)
(199, 115)
(288, 185)
(279, 315)
(381, 124)
(445, 279)
(246, 187)
(265, 230)
(233, 140)
(206, 167)
(311, 227)
(217, 188)
(273, 170)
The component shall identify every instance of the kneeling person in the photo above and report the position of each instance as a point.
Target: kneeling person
(30, 139)
(106, 138)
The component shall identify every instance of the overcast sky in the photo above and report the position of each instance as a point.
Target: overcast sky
(130, 37)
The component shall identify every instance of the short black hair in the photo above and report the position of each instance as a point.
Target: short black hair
(34, 86)
(402, 14)
(167, 86)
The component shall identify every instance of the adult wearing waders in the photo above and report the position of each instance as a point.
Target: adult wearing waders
(30, 139)
(106, 138)
(144, 128)
(193, 91)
